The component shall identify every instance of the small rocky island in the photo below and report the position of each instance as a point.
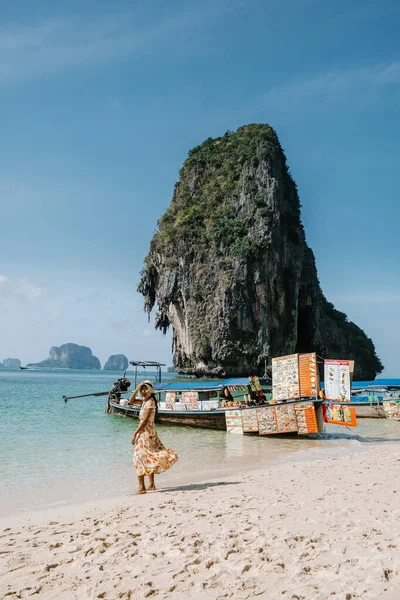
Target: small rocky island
(69, 356)
(230, 269)
(10, 363)
(116, 362)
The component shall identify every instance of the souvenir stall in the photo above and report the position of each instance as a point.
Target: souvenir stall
(292, 405)
(337, 393)
(295, 390)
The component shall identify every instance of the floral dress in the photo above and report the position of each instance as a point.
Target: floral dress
(150, 456)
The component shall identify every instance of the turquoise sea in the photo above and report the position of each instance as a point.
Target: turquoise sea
(54, 453)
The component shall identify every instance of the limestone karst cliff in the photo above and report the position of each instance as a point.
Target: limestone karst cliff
(10, 363)
(69, 356)
(230, 270)
(116, 362)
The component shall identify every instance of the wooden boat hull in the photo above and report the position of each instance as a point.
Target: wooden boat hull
(209, 419)
(369, 410)
(215, 419)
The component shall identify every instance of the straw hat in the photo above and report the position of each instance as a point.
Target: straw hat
(149, 386)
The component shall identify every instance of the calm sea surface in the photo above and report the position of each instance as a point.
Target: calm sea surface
(54, 453)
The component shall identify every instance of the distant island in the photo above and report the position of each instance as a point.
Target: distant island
(10, 363)
(116, 362)
(69, 356)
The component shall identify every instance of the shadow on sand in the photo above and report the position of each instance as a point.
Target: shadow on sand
(197, 486)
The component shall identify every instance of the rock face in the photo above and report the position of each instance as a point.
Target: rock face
(116, 362)
(70, 356)
(10, 363)
(230, 269)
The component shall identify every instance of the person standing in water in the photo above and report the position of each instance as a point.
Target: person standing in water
(150, 457)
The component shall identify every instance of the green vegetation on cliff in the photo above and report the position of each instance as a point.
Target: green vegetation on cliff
(204, 210)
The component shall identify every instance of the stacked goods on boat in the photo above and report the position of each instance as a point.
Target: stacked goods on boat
(190, 399)
(244, 392)
(392, 409)
(293, 405)
(211, 396)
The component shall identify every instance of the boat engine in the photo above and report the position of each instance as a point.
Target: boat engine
(120, 386)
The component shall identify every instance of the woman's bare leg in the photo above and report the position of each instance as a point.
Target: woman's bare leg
(151, 487)
(142, 489)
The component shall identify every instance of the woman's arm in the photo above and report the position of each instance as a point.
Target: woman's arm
(142, 423)
(134, 394)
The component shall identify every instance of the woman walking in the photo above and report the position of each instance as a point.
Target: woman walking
(150, 457)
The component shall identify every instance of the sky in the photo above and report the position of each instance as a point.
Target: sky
(100, 103)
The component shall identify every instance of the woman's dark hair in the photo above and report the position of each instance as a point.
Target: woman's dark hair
(153, 396)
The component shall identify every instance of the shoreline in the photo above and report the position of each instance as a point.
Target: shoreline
(297, 529)
(337, 446)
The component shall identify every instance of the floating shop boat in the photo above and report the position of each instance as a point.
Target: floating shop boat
(246, 405)
(367, 404)
(240, 405)
(246, 419)
(205, 404)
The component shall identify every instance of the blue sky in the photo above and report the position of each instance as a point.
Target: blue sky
(100, 103)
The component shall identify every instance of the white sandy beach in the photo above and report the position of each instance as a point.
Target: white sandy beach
(308, 530)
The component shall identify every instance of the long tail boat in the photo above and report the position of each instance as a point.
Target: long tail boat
(246, 404)
(221, 405)
(203, 413)
(217, 418)
(369, 401)
(209, 409)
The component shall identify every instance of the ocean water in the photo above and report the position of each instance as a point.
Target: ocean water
(54, 453)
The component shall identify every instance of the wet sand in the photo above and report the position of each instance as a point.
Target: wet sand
(309, 530)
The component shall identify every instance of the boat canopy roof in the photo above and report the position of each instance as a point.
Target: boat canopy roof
(373, 386)
(188, 386)
(393, 383)
(245, 381)
(237, 381)
(145, 363)
(205, 386)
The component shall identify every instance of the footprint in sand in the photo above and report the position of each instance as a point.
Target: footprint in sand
(54, 546)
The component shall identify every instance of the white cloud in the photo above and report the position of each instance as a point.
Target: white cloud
(46, 48)
(33, 319)
(28, 290)
(362, 84)
(31, 51)
(25, 36)
(19, 288)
